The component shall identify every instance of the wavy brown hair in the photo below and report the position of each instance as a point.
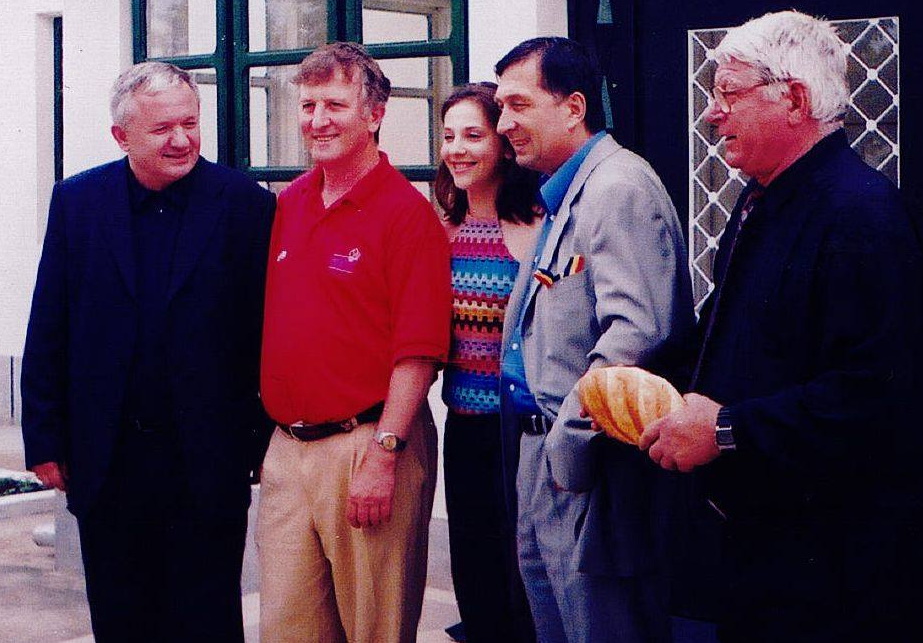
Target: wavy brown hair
(516, 198)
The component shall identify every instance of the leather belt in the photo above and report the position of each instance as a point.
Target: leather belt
(536, 424)
(310, 432)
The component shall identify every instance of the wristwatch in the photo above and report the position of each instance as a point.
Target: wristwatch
(724, 431)
(390, 442)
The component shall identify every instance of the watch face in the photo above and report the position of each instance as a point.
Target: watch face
(389, 442)
(723, 437)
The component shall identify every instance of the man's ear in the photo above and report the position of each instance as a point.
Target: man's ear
(376, 115)
(799, 97)
(576, 107)
(118, 133)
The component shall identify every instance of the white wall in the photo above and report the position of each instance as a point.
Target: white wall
(497, 26)
(27, 142)
(97, 44)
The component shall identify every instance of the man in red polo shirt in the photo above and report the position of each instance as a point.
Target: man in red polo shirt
(357, 320)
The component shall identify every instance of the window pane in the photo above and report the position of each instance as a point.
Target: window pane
(405, 132)
(407, 72)
(405, 20)
(208, 120)
(180, 27)
(274, 136)
(419, 86)
(287, 24)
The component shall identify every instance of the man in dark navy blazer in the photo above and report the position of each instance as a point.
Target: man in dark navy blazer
(141, 368)
(804, 417)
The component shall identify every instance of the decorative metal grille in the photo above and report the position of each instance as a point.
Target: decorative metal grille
(871, 126)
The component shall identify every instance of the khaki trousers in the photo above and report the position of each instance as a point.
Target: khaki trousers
(322, 581)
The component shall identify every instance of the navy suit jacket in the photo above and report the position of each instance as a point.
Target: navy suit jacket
(83, 331)
(816, 351)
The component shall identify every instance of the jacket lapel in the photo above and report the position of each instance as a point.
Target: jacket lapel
(602, 150)
(203, 210)
(114, 203)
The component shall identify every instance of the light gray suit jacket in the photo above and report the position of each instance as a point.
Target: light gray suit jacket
(628, 306)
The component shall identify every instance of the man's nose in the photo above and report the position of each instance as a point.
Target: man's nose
(179, 137)
(505, 123)
(713, 113)
(319, 118)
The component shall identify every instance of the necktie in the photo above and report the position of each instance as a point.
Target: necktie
(749, 204)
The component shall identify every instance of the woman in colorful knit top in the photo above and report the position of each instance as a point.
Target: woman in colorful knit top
(490, 217)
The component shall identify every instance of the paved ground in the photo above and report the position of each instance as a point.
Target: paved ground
(41, 605)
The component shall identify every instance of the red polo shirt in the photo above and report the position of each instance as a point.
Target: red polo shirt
(351, 290)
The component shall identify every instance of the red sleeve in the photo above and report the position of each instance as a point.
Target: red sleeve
(419, 276)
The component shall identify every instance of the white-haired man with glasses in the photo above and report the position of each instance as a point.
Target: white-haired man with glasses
(800, 414)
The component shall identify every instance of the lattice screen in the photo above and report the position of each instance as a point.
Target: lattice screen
(871, 125)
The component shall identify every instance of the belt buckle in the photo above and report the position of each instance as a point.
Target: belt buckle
(288, 428)
(537, 423)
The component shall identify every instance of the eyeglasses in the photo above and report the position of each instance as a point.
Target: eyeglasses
(720, 96)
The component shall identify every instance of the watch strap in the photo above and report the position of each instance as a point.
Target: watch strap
(724, 431)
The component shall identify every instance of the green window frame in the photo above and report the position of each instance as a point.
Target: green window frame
(232, 60)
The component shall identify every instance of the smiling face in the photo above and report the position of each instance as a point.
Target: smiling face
(160, 135)
(537, 123)
(471, 147)
(337, 123)
(756, 131)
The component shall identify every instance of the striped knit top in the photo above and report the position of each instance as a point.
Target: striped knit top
(483, 272)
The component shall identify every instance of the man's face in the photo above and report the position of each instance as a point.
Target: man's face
(534, 120)
(336, 122)
(756, 126)
(161, 135)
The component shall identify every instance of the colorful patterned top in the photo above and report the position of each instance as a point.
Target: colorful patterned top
(483, 272)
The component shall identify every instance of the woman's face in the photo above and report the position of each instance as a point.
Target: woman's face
(471, 147)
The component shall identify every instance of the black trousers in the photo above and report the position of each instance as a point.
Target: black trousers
(482, 536)
(158, 570)
(853, 580)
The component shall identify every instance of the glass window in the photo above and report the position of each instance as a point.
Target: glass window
(245, 52)
(281, 25)
(180, 27)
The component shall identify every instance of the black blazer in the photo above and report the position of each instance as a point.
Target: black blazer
(83, 329)
(816, 344)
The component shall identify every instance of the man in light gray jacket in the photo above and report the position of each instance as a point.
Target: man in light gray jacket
(608, 285)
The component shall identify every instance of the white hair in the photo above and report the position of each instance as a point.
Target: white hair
(790, 45)
(146, 78)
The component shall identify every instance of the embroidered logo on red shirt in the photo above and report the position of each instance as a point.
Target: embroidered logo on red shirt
(345, 263)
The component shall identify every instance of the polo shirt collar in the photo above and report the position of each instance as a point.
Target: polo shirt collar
(360, 193)
(554, 188)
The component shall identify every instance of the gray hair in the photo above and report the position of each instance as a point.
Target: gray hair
(790, 45)
(146, 78)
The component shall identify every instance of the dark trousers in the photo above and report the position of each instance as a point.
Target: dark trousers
(158, 570)
(482, 536)
(854, 580)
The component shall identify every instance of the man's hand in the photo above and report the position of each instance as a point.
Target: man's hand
(52, 475)
(371, 490)
(685, 439)
(586, 414)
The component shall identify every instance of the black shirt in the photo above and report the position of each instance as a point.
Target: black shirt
(156, 219)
